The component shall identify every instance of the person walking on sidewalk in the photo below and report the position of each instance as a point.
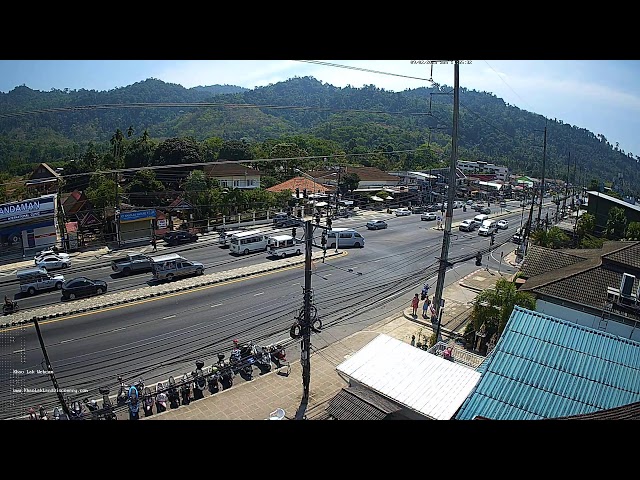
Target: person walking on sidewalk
(154, 244)
(425, 307)
(414, 305)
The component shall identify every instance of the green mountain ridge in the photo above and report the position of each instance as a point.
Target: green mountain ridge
(412, 129)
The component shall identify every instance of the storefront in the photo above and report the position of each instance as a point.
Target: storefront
(136, 225)
(29, 224)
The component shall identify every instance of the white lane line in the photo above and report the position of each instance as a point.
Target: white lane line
(261, 293)
(66, 341)
(170, 316)
(216, 305)
(18, 351)
(118, 329)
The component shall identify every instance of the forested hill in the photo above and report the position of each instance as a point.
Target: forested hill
(411, 128)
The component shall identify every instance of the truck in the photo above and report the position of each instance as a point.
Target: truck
(132, 263)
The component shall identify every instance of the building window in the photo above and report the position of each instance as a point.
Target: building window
(236, 183)
(224, 183)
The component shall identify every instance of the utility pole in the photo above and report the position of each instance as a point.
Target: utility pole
(65, 408)
(566, 188)
(338, 190)
(544, 161)
(306, 324)
(61, 220)
(437, 298)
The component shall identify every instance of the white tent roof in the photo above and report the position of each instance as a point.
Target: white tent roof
(377, 199)
(412, 377)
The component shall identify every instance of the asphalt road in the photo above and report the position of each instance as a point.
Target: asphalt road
(164, 336)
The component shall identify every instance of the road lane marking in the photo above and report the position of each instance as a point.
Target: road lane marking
(170, 316)
(216, 305)
(261, 293)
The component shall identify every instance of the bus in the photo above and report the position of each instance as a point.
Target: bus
(283, 245)
(247, 242)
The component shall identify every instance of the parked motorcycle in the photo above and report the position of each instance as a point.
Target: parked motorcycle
(185, 390)
(147, 402)
(225, 372)
(213, 384)
(161, 398)
(44, 415)
(278, 355)
(93, 407)
(242, 360)
(107, 406)
(263, 360)
(172, 394)
(123, 392)
(32, 414)
(134, 403)
(58, 414)
(76, 410)
(139, 387)
(200, 382)
(9, 308)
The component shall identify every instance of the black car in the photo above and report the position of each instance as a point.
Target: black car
(179, 236)
(82, 287)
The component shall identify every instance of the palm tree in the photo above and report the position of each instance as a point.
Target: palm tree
(492, 307)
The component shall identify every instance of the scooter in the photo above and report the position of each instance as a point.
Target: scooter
(9, 308)
(172, 394)
(212, 382)
(161, 398)
(43, 413)
(32, 414)
(107, 406)
(226, 372)
(147, 402)
(185, 390)
(93, 407)
(278, 355)
(200, 383)
(123, 392)
(76, 410)
(58, 414)
(134, 403)
(263, 361)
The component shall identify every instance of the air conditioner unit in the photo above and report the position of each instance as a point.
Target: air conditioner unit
(626, 285)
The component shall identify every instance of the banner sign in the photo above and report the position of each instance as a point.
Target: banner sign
(35, 207)
(137, 216)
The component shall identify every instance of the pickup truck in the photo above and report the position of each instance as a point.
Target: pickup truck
(132, 263)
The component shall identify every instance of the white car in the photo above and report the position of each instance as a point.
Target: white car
(401, 212)
(467, 226)
(53, 262)
(44, 253)
(428, 216)
(503, 224)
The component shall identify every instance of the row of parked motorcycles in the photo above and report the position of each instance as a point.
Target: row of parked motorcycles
(141, 398)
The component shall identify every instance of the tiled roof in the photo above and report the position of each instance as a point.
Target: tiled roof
(358, 403)
(221, 169)
(625, 412)
(546, 367)
(540, 260)
(298, 182)
(48, 169)
(585, 288)
(629, 256)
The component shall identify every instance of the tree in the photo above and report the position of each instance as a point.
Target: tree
(101, 191)
(552, 238)
(350, 181)
(633, 231)
(586, 224)
(616, 224)
(594, 185)
(144, 188)
(492, 307)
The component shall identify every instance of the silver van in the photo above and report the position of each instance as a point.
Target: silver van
(173, 266)
(344, 237)
(34, 280)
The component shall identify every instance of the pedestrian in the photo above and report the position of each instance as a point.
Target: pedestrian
(414, 305)
(153, 244)
(434, 314)
(413, 340)
(425, 306)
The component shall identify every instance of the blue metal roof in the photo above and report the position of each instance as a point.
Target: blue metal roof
(546, 367)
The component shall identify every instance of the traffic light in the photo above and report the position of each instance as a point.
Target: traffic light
(293, 232)
(297, 192)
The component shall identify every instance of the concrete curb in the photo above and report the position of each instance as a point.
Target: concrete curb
(28, 316)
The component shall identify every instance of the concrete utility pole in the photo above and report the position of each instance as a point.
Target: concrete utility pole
(437, 298)
(544, 161)
(566, 188)
(306, 326)
(65, 408)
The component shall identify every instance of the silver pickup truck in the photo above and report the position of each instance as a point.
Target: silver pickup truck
(132, 263)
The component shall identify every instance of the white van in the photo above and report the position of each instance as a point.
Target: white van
(223, 239)
(283, 245)
(480, 218)
(344, 237)
(34, 280)
(488, 227)
(247, 242)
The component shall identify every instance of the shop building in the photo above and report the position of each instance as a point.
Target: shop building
(29, 224)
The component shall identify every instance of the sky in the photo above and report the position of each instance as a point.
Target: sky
(602, 96)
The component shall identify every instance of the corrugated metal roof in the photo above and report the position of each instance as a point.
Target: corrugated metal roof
(546, 367)
(411, 377)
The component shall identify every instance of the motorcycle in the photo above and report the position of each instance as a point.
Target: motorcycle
(173, 395)
(242, 360)
(58, 414)
(263, 360)
(32, 414)
(185, 390)
(43, 413)
(123, 392)
(9, 308)
(200, 382)
(212, 382)
(107, 406)
(478, 259)
(147, 402)
(278, 355)
(424, 292)
(134, 403)
(226, 372)
(161, 398)
(93, 407)
(76, 410)
(139, 385)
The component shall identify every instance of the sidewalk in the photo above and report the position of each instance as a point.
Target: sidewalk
(256, 399)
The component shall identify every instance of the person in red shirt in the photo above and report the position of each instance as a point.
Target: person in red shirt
(414, 304)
